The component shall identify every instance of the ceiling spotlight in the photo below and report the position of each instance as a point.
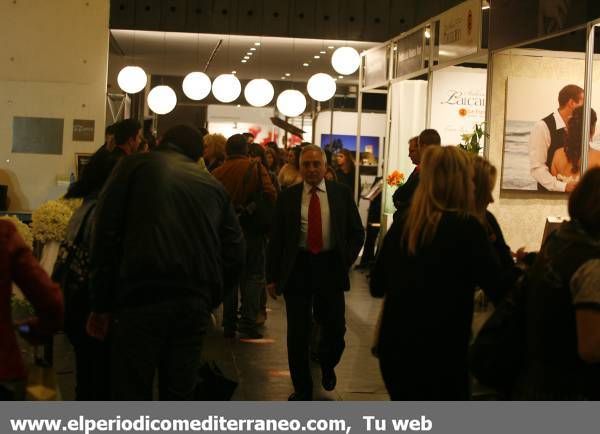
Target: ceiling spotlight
(234, 72)
(317, 57)
(340, 76)
(257, 44)
(287, 74)
(246, 57)
(283, 78)
(244, 61)
(331, 47)
(252, 49)
(305, 64)
(323, 52)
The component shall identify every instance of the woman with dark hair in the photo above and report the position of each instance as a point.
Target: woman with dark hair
(441, 253)
(290, 172)
(272, 160)
(272, 165)
(562, 305)
(71, 272)
(346, 170)
(566, 163)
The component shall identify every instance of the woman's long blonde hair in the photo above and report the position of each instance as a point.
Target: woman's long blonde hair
(445, 184)
(216, 142)
(484, 177)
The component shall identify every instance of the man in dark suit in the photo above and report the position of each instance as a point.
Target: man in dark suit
(316, 238)
(403, 195)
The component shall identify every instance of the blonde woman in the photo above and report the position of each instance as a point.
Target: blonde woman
(485, 175)
(431, 261)
(214, 150)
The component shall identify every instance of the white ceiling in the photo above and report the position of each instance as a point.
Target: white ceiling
(176, 54)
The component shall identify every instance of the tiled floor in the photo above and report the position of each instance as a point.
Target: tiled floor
(261, 368)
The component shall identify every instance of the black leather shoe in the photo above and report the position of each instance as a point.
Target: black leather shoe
(299, 397)
(328, 380)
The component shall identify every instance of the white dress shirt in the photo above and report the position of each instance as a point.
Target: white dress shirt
(325, 215)
(539, 143)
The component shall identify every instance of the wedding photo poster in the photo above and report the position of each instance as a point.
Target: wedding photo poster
(528, 101)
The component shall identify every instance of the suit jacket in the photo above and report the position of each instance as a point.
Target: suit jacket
(403, 196)
(346, 227)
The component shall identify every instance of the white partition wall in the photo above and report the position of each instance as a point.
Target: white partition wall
(408, 108)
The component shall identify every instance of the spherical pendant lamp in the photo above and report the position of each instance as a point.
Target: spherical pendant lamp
(291, 103)
(321, 87)
(226, 88)
(162, 100)
(196, 85)
(345, 60)
(259, 92)
(132, 79)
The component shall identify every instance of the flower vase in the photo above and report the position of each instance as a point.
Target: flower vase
(389, 201)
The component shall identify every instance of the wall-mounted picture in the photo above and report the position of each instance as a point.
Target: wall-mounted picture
(539, 153)
(81, 160)
(369, 146)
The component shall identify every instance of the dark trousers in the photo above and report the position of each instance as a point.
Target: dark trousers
(164, 337)
(92, 367)
(312, 292)
(369, 248)
(252, 287)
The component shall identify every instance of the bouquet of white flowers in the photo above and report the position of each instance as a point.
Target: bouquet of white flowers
(22, 229)
(49, 221)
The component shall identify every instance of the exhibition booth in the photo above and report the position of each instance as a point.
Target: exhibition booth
(434, 76)
(526, 76)
(481, 65)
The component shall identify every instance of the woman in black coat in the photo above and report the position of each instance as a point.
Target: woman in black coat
(429, 266)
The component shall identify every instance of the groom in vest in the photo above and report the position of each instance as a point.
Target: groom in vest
(548, 135)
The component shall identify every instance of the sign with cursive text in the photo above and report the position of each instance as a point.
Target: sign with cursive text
(458, 102)
(460, 30)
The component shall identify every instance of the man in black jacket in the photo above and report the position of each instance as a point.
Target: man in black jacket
(316, 238)
(165, 240)
(403, 195)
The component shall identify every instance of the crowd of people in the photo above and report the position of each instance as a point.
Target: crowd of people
(169, 231)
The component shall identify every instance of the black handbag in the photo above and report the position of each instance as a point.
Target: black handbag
(497, 355)
(257, 213)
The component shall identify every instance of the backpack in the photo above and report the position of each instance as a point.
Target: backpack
(256, 215)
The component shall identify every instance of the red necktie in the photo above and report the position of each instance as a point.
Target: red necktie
(314, 237)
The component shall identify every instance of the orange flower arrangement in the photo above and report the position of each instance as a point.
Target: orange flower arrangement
(395, 179)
